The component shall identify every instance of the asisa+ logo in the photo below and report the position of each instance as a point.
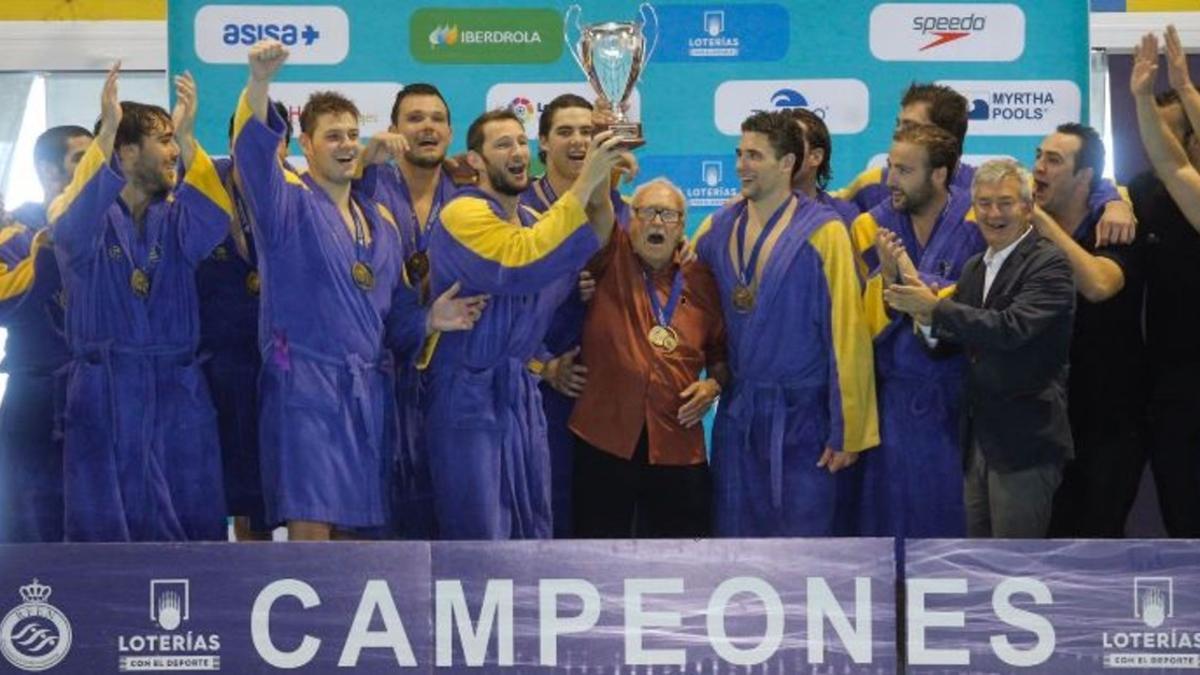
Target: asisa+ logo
(313, 35)
(289, 34)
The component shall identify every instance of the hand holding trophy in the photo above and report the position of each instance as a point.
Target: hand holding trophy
(613, 55)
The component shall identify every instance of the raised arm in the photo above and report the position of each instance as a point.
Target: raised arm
(1179, 78)
(203, 203)
(1166, 154)
(77, 215)
(592, 187)
(257, 132)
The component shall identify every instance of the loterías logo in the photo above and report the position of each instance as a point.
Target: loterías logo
(947, 32)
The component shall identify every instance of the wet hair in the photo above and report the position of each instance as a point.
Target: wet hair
(138, 120)
(940, 147)
(816, 135)
(947, 108)
(417, 89)
(782, 132)
(323, 103)
(51, 146)
(475, 131)
(1091, 150)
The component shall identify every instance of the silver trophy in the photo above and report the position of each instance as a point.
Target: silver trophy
(612, 55)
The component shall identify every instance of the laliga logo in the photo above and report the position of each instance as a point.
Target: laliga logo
(948, 28)
(522, 108)
(34, 635)
(444, 35)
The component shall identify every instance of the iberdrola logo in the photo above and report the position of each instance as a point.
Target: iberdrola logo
(443, 35)
(485, 35)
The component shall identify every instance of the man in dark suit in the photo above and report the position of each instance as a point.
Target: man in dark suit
(1012, 313)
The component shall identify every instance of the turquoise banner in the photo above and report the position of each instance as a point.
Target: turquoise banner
(1023, 65)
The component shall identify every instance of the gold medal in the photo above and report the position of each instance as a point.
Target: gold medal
(417, 267)
(139, 281)
(671, 341)
(363, 276)
(663, 338)
(743, 298)
(253, 283)
(657, 336)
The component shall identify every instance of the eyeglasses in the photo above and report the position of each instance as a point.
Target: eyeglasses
(647, 214)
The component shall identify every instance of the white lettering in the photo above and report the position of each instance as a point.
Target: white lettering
(377, 597)
(822, 605)
(552, 625)
(920, 619)
(636, 619)
(1037, 624)
(772, 608)
(452, 605)
(260, 624)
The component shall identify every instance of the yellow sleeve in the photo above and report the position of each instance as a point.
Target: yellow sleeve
(92, 162)
(853, 358)
(18, 279)
(868, 177)
(472, 224)
(202, 175)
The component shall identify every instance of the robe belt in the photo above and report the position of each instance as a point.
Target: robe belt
(356, 365)
(103, 352)
(510, 377)
(749, 396)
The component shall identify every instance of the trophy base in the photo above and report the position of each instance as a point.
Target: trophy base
(630, 133)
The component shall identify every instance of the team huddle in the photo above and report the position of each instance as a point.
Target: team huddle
(395, 344)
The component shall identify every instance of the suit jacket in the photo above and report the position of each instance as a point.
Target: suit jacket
(1017, 344)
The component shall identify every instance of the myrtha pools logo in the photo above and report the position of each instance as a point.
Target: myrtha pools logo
(34, 635)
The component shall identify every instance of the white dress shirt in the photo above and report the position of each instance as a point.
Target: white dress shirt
(992, 262)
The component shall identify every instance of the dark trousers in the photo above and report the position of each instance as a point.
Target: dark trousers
(1173, 423)
(1008, 504)
(616, 498)
(1099, 486)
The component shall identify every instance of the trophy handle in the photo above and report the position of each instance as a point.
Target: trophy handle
(649, 18)
(573, 12)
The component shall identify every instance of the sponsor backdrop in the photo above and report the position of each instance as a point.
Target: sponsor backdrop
(1052, 606)
(1022, 63)
(778, 606)
(724, 606)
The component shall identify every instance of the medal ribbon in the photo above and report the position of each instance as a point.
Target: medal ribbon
(745, 270)
(235, 196)
(419, 242)
(360, 234)
(133, 252)
(663, 314)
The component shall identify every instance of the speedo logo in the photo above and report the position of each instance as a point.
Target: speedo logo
(946, 29)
